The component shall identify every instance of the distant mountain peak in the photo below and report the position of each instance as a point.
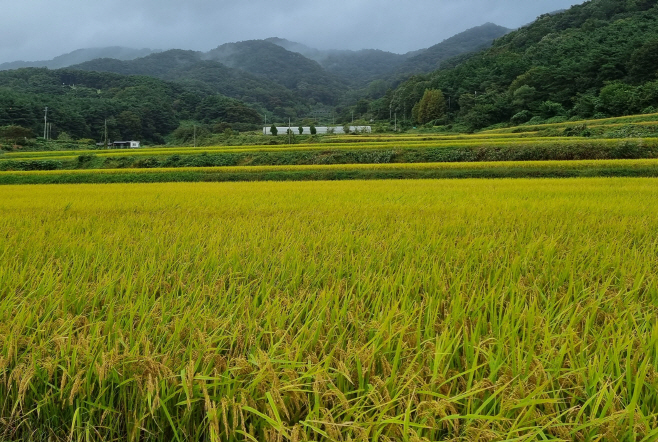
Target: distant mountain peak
(80, 56)
(470, 40)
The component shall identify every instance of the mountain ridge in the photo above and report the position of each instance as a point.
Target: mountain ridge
(80, 56)
(366, 65)
(342, 68)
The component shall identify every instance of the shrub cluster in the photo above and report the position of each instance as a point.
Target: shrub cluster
(31, 165)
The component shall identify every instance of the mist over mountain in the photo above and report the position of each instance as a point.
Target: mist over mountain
(80, 56)
(358, 68)
(471, 40)
(290, 69)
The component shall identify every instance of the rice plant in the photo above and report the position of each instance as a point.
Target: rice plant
(470, 310)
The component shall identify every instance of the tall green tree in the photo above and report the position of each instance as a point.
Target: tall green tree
(643, 65)
(432, 106)
(15, 132)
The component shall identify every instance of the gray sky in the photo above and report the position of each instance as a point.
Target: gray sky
(41, 29)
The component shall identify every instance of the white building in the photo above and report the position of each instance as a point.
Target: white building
(125, 145)
(319, 130)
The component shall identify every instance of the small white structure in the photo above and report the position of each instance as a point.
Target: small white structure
(125, 145)
(319, 130)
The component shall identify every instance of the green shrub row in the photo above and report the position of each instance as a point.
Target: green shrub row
(511, 170)
(553, 151)
(31, 165)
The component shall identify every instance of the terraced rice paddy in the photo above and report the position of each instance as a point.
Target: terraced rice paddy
(464, 310)
(647, 119)
(501, 169)
(364, 157)
(359, 143)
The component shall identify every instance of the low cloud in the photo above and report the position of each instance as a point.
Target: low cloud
(40, 29)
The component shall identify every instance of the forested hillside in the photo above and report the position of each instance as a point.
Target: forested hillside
(194, 70)
(289, 69)
(135, 107)
(271, 79)
(594, 60)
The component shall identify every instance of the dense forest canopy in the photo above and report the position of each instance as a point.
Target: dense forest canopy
(135, 107)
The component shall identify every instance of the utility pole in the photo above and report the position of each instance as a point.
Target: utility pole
(390, 112)
(105, 145)
(45, 124)
(352, 118)
(195, 135)
(289, 132)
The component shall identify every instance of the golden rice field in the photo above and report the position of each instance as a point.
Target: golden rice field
(464, 310)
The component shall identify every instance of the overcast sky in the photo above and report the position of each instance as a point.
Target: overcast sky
(41, 29)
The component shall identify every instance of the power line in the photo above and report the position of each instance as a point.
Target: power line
(45, 124)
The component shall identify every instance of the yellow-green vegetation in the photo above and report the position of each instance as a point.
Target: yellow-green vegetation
(604, 122)
(330, 311)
